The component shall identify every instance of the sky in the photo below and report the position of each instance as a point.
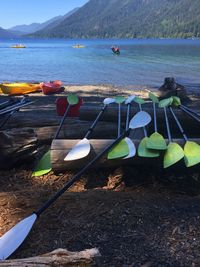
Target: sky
(17, 12)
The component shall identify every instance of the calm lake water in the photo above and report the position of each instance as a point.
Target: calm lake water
(142, 62)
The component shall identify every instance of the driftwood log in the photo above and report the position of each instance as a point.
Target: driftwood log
(56, 258)
(60, 148)
(191, 127)
(15, 146)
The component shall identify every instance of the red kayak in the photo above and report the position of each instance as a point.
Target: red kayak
(52, 87)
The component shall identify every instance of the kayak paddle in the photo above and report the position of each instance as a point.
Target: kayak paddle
(155, 141)
(44, 166)
(12, 239)
(191, 149)
(177, 103)
(82, 148)
(174, 152)
(122, 148)
(143, 151)
(142, 119)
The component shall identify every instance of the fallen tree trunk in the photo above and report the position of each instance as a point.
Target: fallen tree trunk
(111, 114)
(16, 146)
(58, 257)
(60, 148)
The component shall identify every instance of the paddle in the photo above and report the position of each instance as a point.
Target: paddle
(12, 239)
(143, 151)
(82, 148)
(174, 152)
(11, 113)
(177, 103)
(191, 149)
(155, 141)
(120, 150)
(44, 165)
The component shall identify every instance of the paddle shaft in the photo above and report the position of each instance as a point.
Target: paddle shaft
(191, 110)
(144, 128)
(167, 124)
(154, 117)
(90, 130)
(119, 119)
(62, 121)
(15, 107)
(127, 115)
(178, 124)
(189, 113)
(79, 174)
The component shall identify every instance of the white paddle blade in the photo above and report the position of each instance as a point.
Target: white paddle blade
(141, 119)
(108, 101)
(79, 151)
(12, 239)
(129, 99)
(132, 149)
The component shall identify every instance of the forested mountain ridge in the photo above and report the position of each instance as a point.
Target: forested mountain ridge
(130, 19)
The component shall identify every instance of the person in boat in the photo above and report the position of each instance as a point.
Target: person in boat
(115, 49)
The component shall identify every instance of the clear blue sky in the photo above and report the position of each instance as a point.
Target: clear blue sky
(17, 12)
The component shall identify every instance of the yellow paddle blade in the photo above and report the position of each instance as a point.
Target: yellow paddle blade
(143, 151)
(120, 150)
(43, 166)
(156, 141)
(192, 154)
(173, 154)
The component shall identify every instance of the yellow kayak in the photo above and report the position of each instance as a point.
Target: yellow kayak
(18, 46)
(19, 88)
(78, 46)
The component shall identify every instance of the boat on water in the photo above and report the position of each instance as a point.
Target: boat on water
(19, 88)
(115, 50)
(18, 46)
(78, 46)
(52, 87)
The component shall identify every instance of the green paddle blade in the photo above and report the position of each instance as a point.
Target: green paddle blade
(143, 151)
(72, 99)
(165, 102)
(119, 99)
(43, 166)
(192, 154)
(173, 154)
(153, 97)
(176, 101)
(120, 150)
(139, 100)
(156, 141)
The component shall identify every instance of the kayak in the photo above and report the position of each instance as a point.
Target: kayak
(18, 46)
(19, 88)
(51, 87)
(78, 46)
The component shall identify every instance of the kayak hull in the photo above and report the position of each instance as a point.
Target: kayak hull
(52, 87)
(19, 88)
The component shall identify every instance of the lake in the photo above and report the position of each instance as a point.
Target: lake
(141, 62)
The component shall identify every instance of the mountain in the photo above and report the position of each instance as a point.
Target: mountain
(33, 27)
(6, 34)
(130, 19)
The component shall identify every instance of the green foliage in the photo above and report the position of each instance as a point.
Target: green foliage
(130, 19)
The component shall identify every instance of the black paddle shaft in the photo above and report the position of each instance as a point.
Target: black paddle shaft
(155, 118)
(178, 124)
(167, 124)
(189, 113)
(79, 174)
(61, 122)
(90, 130)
